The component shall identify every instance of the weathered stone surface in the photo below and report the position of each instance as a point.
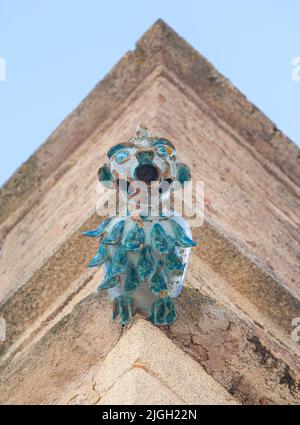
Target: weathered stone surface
(254, 283)
(145, 346)
(234, 349)
(138, 387)
(145, 367)
(78, 341)
(47, 284)
(66, 365)
(82, 360)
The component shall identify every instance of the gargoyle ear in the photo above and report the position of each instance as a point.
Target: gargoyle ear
(183, 173)
(105, 177)
(114, 149)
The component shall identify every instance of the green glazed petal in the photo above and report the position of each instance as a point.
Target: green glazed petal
(146, 263)
(122, 311)
(159, 240)
(132, 279)
(181, 238)
(101, 257)
(115, 235)
(171, 311)
(159, 280)
(119, 262)
(174, 263)
(108, 283)
(163, 311)
(135, 238)
(100, 229)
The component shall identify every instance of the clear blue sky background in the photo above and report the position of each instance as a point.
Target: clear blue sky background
(57, 50)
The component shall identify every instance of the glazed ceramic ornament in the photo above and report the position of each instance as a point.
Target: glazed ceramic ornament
(144, 251)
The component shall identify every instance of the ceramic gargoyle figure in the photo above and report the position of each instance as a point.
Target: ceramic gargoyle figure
(144, 254)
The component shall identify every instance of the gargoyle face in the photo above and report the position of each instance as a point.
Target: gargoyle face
(143, 159)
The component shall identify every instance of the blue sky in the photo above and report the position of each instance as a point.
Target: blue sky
(56, 51)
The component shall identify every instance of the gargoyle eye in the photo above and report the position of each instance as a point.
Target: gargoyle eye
(121, 156)
(164, 150)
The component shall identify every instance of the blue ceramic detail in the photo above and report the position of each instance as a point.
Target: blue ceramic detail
(174, 263)
(146, 263)
(105, 176)
(171, 243)
(144, 217)
(159, 240)
(101, 257)
(183, 174)
(163, 311)
(163, 142)
(119, 262)
(145, 157)
(115, 149)
(135, 239)
(122, 309)
(132, 279)
(100, 229)
(115, 235)
(181, 238)
(163, 150)
(159, 281)
(108, 282)
(121, 156)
